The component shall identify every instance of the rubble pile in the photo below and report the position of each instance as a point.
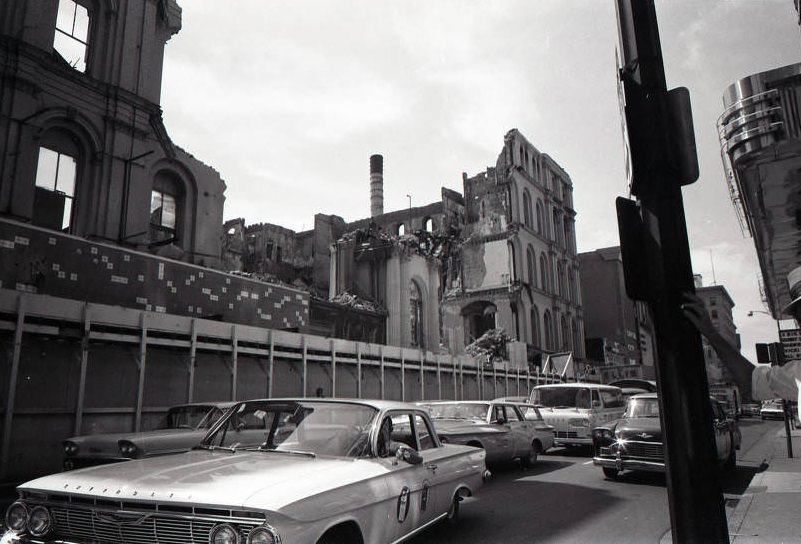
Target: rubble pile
(354, 301)
(490, 345)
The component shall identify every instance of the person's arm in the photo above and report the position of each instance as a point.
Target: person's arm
(741, 368)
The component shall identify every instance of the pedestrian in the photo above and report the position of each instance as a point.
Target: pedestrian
(764, 381)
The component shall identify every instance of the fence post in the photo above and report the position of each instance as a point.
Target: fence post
(12, 385)
(270, 364)
(333, 368)
(190, 387)
(141, 363)
(84, 363)
(358, 370)
(234, 361)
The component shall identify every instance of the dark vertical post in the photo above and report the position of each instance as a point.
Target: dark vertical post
(697, 511)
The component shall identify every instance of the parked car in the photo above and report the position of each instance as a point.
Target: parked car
(574, 409)
(182, 427)
(635, 441)
(772, 409)
(303, 470)
(500, 428)
(751, 409)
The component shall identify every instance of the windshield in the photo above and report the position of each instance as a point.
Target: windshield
(561, 397)
(190, 417)
(319, 428)
(458, 410)
(642, 408)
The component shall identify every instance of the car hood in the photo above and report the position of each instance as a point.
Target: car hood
(261, 480)
(636, 427)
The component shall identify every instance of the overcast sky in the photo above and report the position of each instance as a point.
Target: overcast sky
(287, 99)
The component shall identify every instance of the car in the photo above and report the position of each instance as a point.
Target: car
(575, 409)
(310, 470)
(751, 409)
(772, 409)
(181, 428)
(635, 442)
(498, 427)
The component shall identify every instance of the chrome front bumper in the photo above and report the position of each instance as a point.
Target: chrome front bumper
(621, 463)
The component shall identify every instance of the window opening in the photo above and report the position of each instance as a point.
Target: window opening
(162, 216)
(415, 315)
(55, 190)
(72, 33)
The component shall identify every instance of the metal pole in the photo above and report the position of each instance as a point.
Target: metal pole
(785, 409)
(695, 498)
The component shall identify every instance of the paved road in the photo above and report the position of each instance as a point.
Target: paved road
(566, 499)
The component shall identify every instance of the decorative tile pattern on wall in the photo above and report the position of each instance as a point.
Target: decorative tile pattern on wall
(39, 261)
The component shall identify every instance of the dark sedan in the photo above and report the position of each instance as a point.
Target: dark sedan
(635, 441)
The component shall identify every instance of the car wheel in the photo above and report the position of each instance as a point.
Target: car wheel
(610, 473)
(453, 511)
(530, 460)
(731, 460)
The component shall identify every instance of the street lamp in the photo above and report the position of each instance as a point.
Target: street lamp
(784, 402)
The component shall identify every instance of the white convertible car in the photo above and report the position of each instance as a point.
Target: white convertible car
(289, 471)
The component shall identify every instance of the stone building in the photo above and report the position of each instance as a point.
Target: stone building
(518, 264)
(719, 306)
(618, 330)
(83, 148)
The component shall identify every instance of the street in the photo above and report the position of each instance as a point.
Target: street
(566, 499)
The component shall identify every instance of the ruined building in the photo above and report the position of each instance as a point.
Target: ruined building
(518, 264)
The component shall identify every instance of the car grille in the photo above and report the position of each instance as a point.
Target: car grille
(143, 526)
(643, 450)
(565, 434)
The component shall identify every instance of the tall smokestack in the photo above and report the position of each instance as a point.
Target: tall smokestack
(376, 185)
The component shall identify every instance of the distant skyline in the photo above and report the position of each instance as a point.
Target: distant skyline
(287, 99)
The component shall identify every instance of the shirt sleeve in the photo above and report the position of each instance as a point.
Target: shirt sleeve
(771, 382)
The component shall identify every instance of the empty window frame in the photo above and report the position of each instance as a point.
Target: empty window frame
(72, 33)
(56, 174)
(163, 212)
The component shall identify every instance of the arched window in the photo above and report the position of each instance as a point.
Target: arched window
(557, 228)
(512, 263)
(571, 285)
(548, 326)
(166, 207)
(536, 338)
(543, 272)
(540, 217)
(428, 224)
(56, 176)
(576, 339)
(560, 278)
(527, 209)
(565, 334)
(415, 315)
(569, 236)
(532, 267)
(401, 229)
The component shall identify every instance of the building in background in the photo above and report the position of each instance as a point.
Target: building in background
(619, 331)
(760, 135)
(518, 268)
(719, 306)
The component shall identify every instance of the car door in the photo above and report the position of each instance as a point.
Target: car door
(522, 430)
(412, 487)
(504, 439)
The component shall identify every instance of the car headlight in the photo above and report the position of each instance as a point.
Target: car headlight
(70, 448)
(127, 449)
(264, 535)
(579, 422)
(602, 434)
(39, 521)
(224, 533)
(17, 516)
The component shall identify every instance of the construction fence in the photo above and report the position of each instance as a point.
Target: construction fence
(71, 367)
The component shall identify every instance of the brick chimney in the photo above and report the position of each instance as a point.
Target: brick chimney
(376, 185)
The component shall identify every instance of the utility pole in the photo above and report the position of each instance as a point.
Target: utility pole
(657, 268)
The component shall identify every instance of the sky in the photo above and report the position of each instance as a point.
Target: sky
(288, 99)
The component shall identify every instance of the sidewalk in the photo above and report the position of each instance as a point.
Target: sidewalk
(770, 509)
